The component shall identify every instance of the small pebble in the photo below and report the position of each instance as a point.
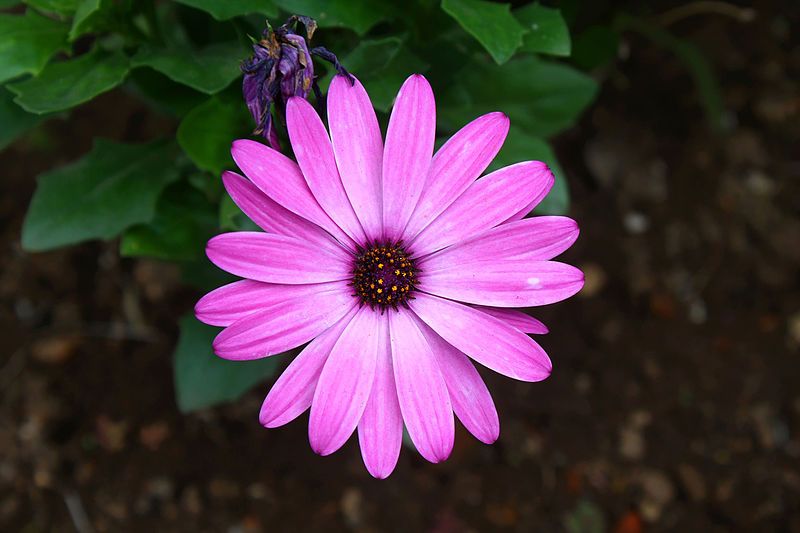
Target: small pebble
(692, 482)
(658, 492)
(594, 280)
(55, 350)
(636, 223)
(352, 505)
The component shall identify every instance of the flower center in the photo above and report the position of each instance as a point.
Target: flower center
(384, 275)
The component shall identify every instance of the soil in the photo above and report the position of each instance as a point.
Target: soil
(675, 400)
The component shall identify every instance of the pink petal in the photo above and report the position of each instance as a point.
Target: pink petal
(346, 382)
(421, 389)
(456, 165)
(407, 155)
(292, 393)
(358, 147)
(270, 216)
(525, 211)
(533, 239)
(277, 258)
(280, 178)
(522, 321)
(471, 400)
(487, 340)
(512, 283)
(314, 152)
(485, 204)
(282, 327)
(234, 301)
(380, 431)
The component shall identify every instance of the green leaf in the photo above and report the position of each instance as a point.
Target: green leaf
(208, 70)
(540, 97)
(167, 96)
(547, 30)
(14, 119)
(384, 84)
(202, 379)
(183, 223)
(231, 218)
(490, 23)
(371, 56)
(357, 15)
(86, 15)
(382, 65)
(203, 275)
(28, 42)
(227, 9)
(69, 83)
(520, 146)
(206, 132)
(113, 187)
(59, 7)
(5, 4)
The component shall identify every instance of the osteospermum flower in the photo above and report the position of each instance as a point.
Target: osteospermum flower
(400, 267)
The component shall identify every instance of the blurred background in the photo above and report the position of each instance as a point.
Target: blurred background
(674, 404)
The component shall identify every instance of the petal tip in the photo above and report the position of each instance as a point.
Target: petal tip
(322, 449)
(580, 281)
(269, 419)
(340, 80)
(231, 180)
(418, 84)
(574, 230)
(321, 444)
(499, 117)
(381, 471)
(296, 104)
(440, 457)
(211, 247)
(200, 310)
(239, 144)
(419, 78)
(218, 349)
(490, 436)
(264, 417)
(437, 454)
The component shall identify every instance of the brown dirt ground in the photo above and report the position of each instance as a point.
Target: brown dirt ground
(675, 400)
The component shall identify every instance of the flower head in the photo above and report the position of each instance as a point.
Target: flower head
(280, 68)
(398, 267)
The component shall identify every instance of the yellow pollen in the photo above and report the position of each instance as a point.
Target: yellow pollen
(384, 276)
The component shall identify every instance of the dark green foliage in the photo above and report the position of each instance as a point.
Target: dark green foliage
(97, 197)
(202, 379)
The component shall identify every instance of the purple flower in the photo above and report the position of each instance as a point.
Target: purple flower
(398, 267)
(280, 68)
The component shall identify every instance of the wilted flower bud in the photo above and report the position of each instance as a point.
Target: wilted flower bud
(280, 68)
